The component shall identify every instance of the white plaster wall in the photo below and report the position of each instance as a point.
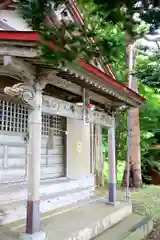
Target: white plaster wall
(13, 19)
(78, 157)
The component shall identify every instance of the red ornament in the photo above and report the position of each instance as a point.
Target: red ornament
(90, 105)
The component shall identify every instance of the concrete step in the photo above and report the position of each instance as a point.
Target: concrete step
(46, 215)
(134, 227)
(11, 230)
(84, 220)
(16, 192)
(16, 210)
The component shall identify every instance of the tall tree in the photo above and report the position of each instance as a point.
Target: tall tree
(129, 14)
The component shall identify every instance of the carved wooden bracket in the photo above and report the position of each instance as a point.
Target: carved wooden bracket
(27, 93)
(24, 92)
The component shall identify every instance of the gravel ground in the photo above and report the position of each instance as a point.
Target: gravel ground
(155, 234)
(146, 201)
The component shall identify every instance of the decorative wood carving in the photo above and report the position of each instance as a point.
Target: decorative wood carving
(25, 92)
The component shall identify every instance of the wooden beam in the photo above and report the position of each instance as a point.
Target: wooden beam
(18, 51)
(74, 88)
(59, 107)
(20, 66)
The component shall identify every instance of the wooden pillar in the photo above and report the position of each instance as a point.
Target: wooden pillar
(92, 146)
(111, 164)
(33, 201)
(100, 165)
(31, 93)
(98, 156)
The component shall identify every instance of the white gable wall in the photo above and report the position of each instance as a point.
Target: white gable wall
(13, 19)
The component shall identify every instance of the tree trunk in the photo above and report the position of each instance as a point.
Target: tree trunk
(135, 177)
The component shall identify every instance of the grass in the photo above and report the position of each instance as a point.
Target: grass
(146, 200)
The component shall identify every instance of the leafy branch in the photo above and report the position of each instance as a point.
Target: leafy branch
(71, 40)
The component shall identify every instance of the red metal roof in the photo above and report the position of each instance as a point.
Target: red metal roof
(76, 13)
(34, 36)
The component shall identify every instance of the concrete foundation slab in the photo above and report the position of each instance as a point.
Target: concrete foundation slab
(83, 221)
(36, 236)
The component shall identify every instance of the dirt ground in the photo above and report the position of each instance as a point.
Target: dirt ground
(155, 234)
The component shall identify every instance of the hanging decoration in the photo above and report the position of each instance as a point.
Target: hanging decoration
(90, 106)
(86, 108)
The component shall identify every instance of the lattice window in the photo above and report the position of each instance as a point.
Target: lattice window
(13, 117)
(46, 123)
(57, 125)
(52, 122)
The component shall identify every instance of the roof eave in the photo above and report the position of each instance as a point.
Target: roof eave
(34, 37)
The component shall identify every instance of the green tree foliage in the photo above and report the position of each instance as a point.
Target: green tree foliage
(150, 127)
(130, 13)
(72, 40)
(148, 70)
